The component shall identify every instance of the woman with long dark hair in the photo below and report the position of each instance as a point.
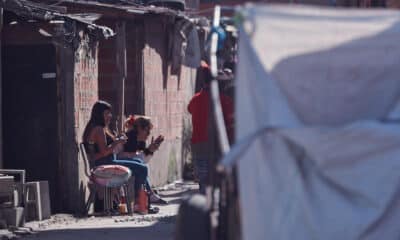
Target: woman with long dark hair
(101, 143)
(98, 139)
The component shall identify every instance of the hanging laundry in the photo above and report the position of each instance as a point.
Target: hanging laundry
(184, 46)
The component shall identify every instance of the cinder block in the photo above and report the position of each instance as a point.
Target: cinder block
(37, 200)
(3, 223)
(13, 216)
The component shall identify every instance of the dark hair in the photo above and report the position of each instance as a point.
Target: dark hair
(206, 74)
(231, 65)
(96, 117)
(141, 122)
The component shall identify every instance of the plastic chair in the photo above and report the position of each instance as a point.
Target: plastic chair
(106, 187)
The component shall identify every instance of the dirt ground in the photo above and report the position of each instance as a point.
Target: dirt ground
(141, 227)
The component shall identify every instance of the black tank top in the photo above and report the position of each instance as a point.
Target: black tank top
(92, 149)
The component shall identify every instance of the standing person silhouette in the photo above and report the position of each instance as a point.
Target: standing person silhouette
(204, 144)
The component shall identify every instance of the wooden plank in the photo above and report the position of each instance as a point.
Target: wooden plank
(134, 82)
(107, 10)
(68, 165)
(24, 7)
(45, 7)
(1, 117)
(122, 73)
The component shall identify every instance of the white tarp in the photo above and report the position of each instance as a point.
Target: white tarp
(326, 84)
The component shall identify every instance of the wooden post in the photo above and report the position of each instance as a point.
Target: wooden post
(1, 104)
(122, 74)
(68, 165)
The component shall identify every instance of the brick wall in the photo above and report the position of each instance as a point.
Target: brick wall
(107, 67)
(151, 90)
(108, 74)
(165, 98)
(85, 81)
(78, 91)
(85, 94)
(393, 3)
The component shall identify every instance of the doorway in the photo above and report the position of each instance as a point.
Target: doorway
(30, 114)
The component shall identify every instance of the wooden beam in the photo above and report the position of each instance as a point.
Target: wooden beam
(68, 173)
(1, 104)
(106, 10)
(23, 6)
(122, 73)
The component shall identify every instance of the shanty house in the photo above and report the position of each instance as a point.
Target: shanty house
(58, 60)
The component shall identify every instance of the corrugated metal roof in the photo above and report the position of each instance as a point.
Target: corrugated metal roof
(32, 10)
(127, 6)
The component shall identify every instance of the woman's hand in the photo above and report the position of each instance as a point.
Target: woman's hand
(121, 140)
(118, 145)
(122, 136)
(155, 144)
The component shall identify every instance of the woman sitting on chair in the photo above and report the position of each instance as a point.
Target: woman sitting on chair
(101, 143)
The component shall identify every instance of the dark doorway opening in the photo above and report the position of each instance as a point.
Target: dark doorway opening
(30, 114)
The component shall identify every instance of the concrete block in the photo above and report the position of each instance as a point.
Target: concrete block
(37, 201)
(7, 185)
(13, 216)
(3, 223)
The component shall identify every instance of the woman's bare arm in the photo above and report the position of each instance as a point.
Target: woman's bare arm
(99, 137)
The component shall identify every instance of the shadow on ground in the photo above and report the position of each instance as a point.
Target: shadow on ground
(161, 230)
(154, 227)
(176, 198)
(179, 194)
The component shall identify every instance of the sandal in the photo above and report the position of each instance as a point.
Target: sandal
(150, 210)
(156, 199)
(153, 210)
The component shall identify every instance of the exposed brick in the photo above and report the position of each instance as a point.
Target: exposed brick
(85, 84)
(164, 103)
